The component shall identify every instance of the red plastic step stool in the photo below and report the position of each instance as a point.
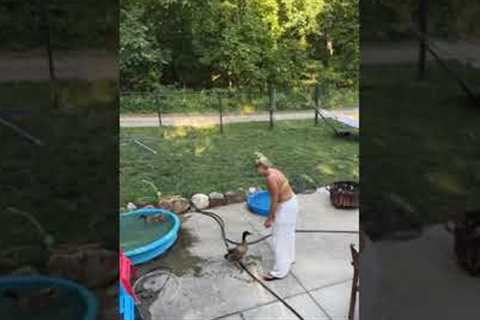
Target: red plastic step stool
(127, 297)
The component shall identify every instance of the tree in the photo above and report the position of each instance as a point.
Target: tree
(339, 22)
(141, 58)
(240, 43)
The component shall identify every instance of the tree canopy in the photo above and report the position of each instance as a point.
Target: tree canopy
(238, 43)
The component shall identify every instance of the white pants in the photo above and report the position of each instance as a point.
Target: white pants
(283, 237)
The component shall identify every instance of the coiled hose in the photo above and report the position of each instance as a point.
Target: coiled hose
(226, 241)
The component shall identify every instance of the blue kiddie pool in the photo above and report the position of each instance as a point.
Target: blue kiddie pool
(143, 241)
(259, 203)
(51, 298)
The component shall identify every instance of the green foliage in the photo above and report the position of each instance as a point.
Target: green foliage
(243, 43)
(387, 19)
(339, 22)
(302, 183)
(141, 58)
(73, 24)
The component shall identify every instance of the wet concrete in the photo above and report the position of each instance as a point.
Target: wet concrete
(204, 285)
(178, 258)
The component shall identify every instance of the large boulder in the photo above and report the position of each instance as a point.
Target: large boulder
(216, 199)
(235, 196)
(201, 201)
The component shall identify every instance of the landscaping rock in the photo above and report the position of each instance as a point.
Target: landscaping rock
(216, 199)
(25, 271)
(242, 193)
(32, 256)
(90, 265)
(145, 201)
(166, 204)
(234, 197)
(180, 205)
(174, 204)
(201, 201)
(7, 264)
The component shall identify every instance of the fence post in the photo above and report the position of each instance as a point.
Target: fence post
(44, 10)
(159, 110)
(220, 109)
(317, 101)
(422, 50)
(272, 96)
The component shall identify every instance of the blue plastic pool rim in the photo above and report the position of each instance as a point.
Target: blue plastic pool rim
(256, 209)
(89, 299)
(164, 240)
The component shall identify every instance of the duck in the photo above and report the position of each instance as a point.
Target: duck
(237, 253)
(154, 219)
(33, 301)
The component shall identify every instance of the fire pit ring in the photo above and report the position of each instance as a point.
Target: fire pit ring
(344, 194)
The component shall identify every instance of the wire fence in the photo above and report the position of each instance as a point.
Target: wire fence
(442, 55)
(243, 105)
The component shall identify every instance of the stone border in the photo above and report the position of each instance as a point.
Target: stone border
(181, 205)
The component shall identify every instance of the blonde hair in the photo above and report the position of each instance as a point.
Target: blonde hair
(262, 160)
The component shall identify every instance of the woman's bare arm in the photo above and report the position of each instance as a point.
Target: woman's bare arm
(274, 196)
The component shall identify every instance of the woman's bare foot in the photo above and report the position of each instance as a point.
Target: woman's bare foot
(269, 277)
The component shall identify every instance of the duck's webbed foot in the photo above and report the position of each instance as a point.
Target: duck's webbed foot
(237, 264)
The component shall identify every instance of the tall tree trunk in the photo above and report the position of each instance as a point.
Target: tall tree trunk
(326, 56)
(48, 47)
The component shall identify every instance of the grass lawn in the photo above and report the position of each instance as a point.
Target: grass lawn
(420, 141)
(60, 183)
(67, 185)
(191, 160)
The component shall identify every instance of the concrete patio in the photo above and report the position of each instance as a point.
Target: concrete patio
(205, 286)
(417, 279)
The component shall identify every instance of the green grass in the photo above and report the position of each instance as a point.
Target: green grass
(420, 142)
(174, 100)
(60, 183)
(191, 160)
(64, 184)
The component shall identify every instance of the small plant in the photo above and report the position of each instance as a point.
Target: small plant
(302, 183)
(47, 239)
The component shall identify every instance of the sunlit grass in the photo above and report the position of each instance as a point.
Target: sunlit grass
(190, 160)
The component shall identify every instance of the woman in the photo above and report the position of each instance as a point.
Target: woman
(282, 217)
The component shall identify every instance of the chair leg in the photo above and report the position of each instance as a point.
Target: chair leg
(354, 291)
(353, 299)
